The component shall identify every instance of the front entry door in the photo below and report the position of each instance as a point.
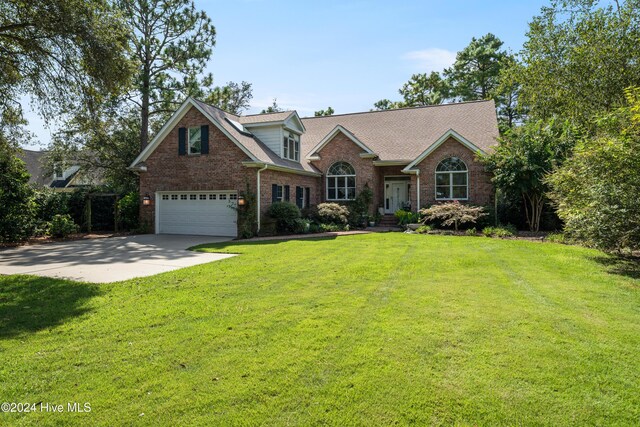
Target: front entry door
(396, 195)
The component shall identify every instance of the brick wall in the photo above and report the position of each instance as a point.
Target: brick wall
(270, 177)
(480, 187)
(341, 148)
(221, 169)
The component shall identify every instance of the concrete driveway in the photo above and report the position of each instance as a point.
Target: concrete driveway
(108, 259)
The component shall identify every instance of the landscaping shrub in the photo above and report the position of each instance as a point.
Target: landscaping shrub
(17, 208)
(500, 231)
(453, 213)
(424, 229)
(50, 203)
(333, 213)
(559, 238)
(302, 225)
(62, 226)
(334, 227)
(359, 208)
(285, 214)
(471, 232)
(129, 211)
(406, 217)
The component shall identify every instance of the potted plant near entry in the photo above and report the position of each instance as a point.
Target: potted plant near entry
(372, 221)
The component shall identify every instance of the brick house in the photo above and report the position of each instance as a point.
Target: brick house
(204, 159)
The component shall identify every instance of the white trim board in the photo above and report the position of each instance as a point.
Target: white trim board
(448, 134)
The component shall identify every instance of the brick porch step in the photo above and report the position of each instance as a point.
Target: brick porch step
(388, 221)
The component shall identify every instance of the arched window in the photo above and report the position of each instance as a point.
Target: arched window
(452, 180)
(341, 182)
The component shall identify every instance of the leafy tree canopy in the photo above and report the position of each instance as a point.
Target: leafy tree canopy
(579, 57)
(273, 108)
(328, 112)
(63, 53)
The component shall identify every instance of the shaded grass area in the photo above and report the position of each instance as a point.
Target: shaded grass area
(378, 329)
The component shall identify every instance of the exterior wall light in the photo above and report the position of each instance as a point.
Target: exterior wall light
(241, 201)
(146, 200)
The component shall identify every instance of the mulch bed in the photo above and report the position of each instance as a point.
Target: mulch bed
(69, 238)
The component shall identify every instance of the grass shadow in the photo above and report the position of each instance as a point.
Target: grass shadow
(628, 266)
(226, 247)
(29, 304)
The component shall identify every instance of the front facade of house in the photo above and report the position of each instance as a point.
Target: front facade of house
(204, 160)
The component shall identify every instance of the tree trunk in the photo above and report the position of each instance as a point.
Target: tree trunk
(144, 122)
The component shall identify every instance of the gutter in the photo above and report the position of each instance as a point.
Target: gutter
(258, 196)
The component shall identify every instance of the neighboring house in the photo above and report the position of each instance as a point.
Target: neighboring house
(204, 158)
(64, 178)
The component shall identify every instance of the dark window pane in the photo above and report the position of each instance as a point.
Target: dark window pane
(351, 193)
(460, 192)
(351, 181)
(459, 178)
(332, 193)
(442, 178)
(341, 193)
(442, 192)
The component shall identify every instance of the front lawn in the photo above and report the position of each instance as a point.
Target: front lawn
(378, 329)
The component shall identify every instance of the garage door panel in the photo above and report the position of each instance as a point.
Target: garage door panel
(212, 216)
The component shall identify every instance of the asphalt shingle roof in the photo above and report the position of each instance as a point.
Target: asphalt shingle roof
(404, 134)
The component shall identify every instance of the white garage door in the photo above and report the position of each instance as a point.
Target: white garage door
(206, 213)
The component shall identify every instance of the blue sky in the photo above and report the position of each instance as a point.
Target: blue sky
(344, 54)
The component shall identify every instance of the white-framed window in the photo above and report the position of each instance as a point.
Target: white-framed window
(291, 146)
(165, 197)
(223, 197)
(213, 196)
(278, 193)
(203, 197)
(174, 197)
(183, 197)
(195, 140)
(341, 182)
(452, 180)
(233, 197)
(58, 171)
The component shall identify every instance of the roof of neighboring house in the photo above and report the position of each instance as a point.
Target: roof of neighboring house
(403, 134)
(34, 162)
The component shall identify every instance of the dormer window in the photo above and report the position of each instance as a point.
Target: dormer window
(291, 146)
(57, 171)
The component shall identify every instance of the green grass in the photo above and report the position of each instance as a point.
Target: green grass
(378, 329)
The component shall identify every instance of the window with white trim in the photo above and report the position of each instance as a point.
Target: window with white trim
(341, 182)
(452, 180)
(195, 140)
(291, 146)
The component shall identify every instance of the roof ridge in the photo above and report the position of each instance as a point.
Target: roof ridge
(273, 112)
(401, 109)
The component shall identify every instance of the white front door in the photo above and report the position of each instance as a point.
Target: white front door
(396, 195)
(197, 212)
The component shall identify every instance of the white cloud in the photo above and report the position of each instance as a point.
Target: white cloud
(432, 59)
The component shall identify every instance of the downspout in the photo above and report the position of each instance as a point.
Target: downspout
(418, 189)
(258, 194)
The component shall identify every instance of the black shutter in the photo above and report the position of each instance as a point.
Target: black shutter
(182, 141)
(307, 197)
(204, 139)
(299, 200)
(274, 193)
(286, 193)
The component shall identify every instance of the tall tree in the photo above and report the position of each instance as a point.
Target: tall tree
(233, 97)
(423, 89)
(475, 73)
(596, 190)
(328, 112)
(172, 42)
(63, 53)
(579, 57)
(523, 160)
(386, 104)
(273, 108)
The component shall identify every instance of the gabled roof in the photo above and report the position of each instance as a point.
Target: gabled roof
(406, 133)
(34, 163)
(338, 129)
(256, 150)
(448, 134)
